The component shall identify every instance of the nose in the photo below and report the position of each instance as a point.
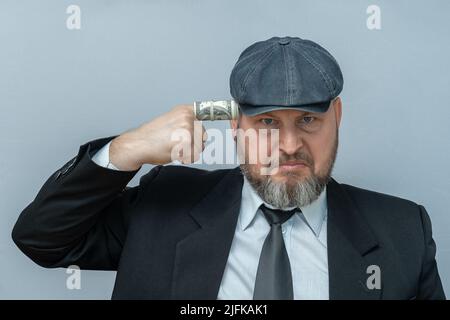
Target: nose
(290, 141)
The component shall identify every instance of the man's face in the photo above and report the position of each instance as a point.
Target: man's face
(306, 149)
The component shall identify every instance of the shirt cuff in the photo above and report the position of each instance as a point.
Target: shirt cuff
(101, 158)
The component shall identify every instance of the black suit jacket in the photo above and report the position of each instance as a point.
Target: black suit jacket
(169, 237)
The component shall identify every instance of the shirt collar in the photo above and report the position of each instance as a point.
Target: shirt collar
(314, 213)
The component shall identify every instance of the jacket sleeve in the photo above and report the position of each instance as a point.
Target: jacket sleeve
(80, 215)
(430, 286)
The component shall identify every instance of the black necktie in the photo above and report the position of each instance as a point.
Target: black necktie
(274, 277)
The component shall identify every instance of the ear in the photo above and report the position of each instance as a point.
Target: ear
(337, 106)
(234, 125)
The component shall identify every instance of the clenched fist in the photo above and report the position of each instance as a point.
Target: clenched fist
(169, 137)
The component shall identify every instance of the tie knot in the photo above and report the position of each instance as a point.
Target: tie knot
(276, 216)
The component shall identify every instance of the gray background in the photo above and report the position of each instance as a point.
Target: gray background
(133, 60)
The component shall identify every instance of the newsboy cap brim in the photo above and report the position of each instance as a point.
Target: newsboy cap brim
(252, 110)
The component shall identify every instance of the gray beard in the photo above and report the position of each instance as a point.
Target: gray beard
(287, 195)
(283, 196)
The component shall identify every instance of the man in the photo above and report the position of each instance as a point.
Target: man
(184, 233)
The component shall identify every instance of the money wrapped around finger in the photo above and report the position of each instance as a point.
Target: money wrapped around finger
(216, 110)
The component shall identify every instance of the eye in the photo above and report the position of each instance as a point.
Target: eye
(308, 119)
(268, 121)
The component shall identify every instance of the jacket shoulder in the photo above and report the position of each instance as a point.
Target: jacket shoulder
(180, 175)
(385, 210)
(181, 183)
(358, 193)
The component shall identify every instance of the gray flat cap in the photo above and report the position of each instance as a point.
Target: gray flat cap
(285, 73)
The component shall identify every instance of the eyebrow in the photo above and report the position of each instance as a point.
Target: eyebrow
(270, 114)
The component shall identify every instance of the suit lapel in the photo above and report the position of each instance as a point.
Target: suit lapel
(352, 248)
(201, 257)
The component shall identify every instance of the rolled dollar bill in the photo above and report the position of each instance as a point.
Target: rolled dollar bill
(216, 110)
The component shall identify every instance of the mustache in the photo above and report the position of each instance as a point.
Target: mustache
(298, 156)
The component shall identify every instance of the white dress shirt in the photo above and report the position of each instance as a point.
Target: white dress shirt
(305, 237)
